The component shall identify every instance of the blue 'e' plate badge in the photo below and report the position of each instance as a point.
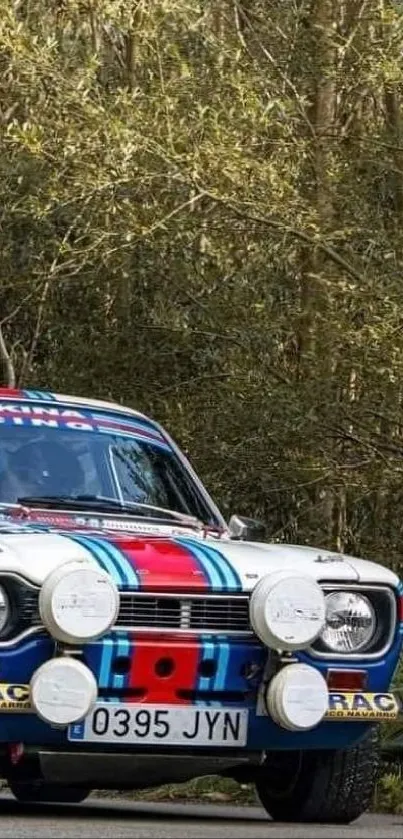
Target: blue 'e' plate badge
(76, 731)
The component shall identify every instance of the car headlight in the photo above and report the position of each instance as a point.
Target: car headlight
(350, 622)
(4, 609)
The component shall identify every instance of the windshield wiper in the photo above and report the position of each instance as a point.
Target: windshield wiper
(109, 505)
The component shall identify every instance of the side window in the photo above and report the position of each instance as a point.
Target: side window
(135, 474)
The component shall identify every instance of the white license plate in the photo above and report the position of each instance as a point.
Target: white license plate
(173, 725)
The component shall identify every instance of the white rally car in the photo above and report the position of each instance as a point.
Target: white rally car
(144, 641)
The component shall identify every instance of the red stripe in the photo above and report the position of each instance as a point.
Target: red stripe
(162, 564)
(146, 654)
(11, 392)
(128, 426)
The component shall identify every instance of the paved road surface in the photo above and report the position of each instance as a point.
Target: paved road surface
(114, 819)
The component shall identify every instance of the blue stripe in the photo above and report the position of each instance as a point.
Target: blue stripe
(10, 527)
(231, 580)
(223, 658)
(99, 554)
(216, 678)
(128, 574)
(123, 649)
(232, 577)
(43, 396)
(204, 682)
(106, 661)
(31, 394)
(214, 574)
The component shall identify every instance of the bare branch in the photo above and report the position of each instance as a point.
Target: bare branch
(7, 361)
(41, 308)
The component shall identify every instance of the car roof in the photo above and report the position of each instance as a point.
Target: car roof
(16, 395)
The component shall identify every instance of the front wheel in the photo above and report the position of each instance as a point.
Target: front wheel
(39, 792)
(320, 786)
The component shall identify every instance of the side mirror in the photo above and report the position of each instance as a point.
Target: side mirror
(244, 529)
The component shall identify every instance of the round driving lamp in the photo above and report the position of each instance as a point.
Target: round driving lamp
(287, 610)
(78, 602)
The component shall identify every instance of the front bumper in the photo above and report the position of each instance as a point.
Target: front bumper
(207, 670)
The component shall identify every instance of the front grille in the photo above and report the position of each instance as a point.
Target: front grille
(209, 613)
(193, 613)
(28, 609)
(198, 613)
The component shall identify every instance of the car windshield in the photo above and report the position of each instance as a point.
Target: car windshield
(65, 452)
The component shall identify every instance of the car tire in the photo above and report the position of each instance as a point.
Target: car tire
(320, 786)
(39, 792)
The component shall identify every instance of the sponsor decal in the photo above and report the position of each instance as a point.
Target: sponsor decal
(71, 419)
(14, 697)
(363, 706)
(50, 417)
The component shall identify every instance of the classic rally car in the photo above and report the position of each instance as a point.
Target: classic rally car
(144, 641)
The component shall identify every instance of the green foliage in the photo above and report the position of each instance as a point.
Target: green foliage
(211, 789)
(389, 793)
(202, 217)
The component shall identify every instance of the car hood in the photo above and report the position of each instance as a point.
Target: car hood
(177, 562)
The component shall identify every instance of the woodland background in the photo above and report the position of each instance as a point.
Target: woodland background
(201, 216)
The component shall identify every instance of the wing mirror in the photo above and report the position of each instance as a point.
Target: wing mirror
(244, 529)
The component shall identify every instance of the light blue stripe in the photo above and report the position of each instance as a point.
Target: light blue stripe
(97, 553)
(223, 659)
(215, 579)
(224, 563)
(33, 394)
(123, 649)
(106, 661)
(232, 580)
(126, 569)
(37, 528)
(103, 548)
(42, 395)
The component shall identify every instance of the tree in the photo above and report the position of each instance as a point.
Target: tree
(201, 217)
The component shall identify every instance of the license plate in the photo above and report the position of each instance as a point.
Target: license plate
(172, 725)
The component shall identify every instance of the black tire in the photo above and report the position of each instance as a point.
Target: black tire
(320, 786)
(39, 792)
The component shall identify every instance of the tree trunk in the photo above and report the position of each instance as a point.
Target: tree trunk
(322, 114)
(7, 362)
